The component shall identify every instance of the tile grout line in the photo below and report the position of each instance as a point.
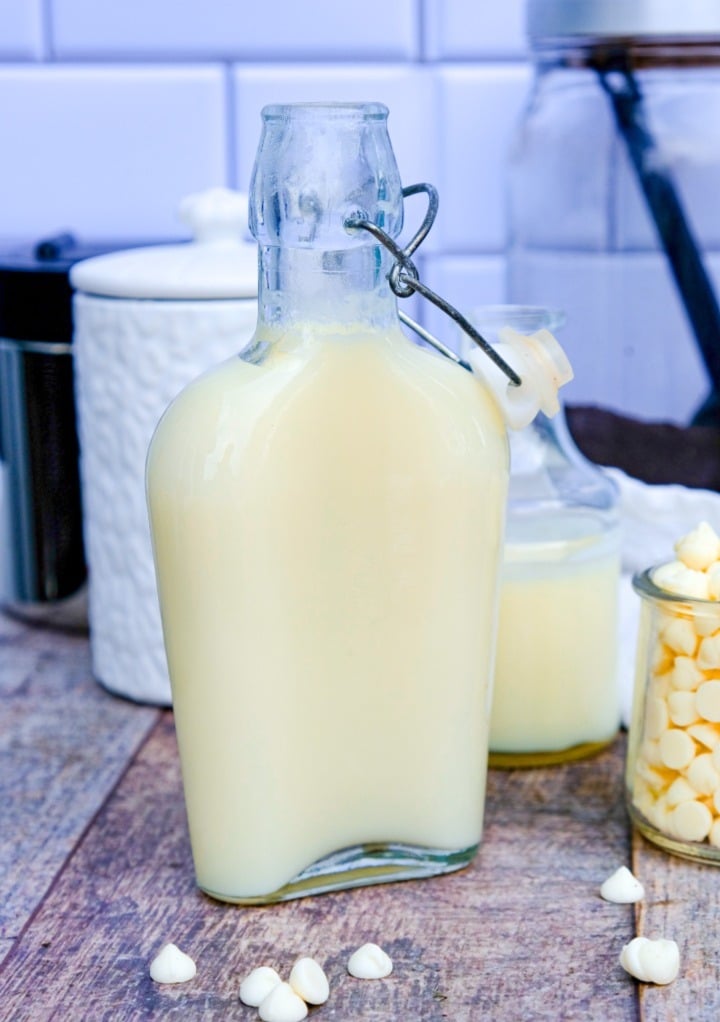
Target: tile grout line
(231, 141)
(46, 32)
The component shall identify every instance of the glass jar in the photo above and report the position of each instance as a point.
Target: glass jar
(612, 176)
(555, 693)
(673, 760)
(327, 515)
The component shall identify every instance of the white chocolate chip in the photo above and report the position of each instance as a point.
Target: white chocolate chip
(713, 577)
(690, 821)
(669, 575)
(708, 655)
(651, 961)
(680, 791)
(707, 700)
(707, 734)
(677, 578)
(257, 985)
(682, 709)
(708, 623)
(650, 753)
(282, 1004)
(699, 548)
(369, 962)
(702, 774)
(656, 778)
(622, 887)
(630, 958)
(657, 718)
(677, 749)
(309, 981)
(171, 965)
(660, 960)
(686, 675)
(680, 636)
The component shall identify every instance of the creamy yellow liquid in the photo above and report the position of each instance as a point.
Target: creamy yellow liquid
(327, 530)
(555, 676)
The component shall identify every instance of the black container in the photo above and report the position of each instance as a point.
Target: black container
(44, 559)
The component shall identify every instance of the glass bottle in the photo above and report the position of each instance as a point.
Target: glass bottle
(555, 694)
(327, 514)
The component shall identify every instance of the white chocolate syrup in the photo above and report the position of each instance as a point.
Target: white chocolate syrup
(327, 531)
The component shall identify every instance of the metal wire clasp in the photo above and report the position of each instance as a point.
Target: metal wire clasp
(404, 280)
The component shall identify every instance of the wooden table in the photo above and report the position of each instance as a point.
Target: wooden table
(97, 875)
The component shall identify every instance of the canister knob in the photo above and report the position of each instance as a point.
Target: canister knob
(215, 215)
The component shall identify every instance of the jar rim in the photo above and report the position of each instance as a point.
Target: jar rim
(352, 110)
(642, 583)
(520, 317)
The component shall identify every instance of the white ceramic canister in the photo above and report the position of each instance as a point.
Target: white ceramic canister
(146, 322)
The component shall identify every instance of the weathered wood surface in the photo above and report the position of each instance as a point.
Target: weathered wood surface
(63, 745)
(521, 934)
(106, 878)
(682, 902)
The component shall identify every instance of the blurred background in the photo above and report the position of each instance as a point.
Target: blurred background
(111, 112)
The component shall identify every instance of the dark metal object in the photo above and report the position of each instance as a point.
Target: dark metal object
(44, 553)
(41, 529)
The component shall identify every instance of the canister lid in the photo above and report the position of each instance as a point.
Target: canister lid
(676, 19)
(217, 264)
(35, 293)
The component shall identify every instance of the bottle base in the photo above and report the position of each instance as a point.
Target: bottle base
(695, 851)
(552, 757)
(360, 866)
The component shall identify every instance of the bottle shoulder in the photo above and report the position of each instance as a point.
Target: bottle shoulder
(389, 396)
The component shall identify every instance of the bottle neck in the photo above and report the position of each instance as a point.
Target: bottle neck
(305, 285)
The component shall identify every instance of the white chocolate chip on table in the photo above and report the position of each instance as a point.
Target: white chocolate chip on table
(369, 962)
(171, 965)
(309, 981)
(257, 985)
(651, 961)
(622, 887)
(279, 1001)
(282, 1004)
(677, 776)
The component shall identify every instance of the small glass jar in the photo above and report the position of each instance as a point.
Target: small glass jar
(673, 761)
(555, 694)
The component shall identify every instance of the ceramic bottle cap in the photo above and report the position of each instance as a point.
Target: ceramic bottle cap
(217, 264)
(541, 364)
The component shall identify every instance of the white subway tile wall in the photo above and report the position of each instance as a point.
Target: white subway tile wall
(21, 30)
(111, 112)
(233, 30)
(465, 30)
(107, 150)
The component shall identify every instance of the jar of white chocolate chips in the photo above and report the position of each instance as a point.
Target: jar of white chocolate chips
(673, 762)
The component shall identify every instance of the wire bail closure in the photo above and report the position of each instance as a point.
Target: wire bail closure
(404, 281)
